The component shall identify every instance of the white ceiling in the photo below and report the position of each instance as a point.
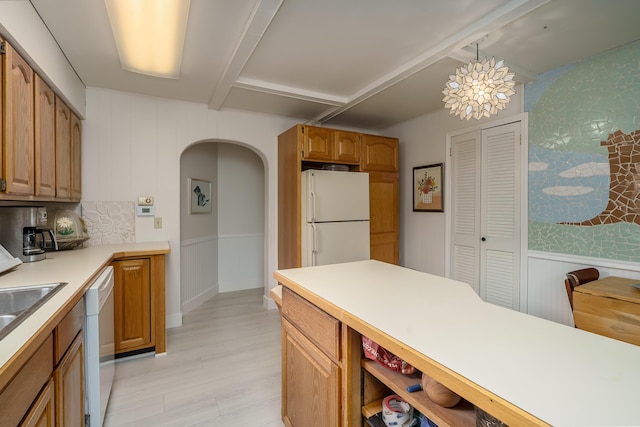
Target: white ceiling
(361, 63)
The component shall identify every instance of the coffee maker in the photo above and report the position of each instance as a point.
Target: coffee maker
(22, 231)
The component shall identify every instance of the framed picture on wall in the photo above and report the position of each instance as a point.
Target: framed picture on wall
(428, 191)
(200, 196)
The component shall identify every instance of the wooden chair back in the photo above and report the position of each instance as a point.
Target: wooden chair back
(577, 278)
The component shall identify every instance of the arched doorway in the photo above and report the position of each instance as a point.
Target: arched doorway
(221, 250)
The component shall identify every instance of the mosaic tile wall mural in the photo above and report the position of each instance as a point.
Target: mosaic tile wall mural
(584, 157)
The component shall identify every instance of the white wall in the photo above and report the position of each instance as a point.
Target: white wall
(423, 142)
(241, 201)
(132, 146)
(198, 161)
(422, 235)
(547, 297)
(198, 232)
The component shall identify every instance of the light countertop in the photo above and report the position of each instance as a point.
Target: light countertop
(78, 268)
(560, 375)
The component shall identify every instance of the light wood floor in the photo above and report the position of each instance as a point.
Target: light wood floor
(222, 368)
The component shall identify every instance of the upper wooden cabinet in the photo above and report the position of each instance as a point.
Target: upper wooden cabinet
(329, 145)
(63, 150)
(317, 143)
(18, 160)
(40, 157)
(379, 153)
(346, 146)
(76, 158)
(45, 139)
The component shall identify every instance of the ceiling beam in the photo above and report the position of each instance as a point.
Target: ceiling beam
(257, 24)
(290, 92)
(492, 21)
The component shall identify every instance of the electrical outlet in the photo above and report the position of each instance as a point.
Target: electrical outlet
(157, 222)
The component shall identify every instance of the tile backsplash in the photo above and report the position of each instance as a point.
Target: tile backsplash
(109, 222)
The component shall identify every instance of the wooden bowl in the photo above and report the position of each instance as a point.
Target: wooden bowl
(438, 393)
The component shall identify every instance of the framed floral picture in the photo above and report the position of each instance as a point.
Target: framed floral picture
(200, 199)
(428, 191)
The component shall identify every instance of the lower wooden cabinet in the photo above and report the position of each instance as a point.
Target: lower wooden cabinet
(43, 411)
(24, 388)
(326, 382)
(139, 304)
(48, 390)
(69, 381)
(311, 374)
(311, 382)
(132, 304)
(383, 211)
(320, 367)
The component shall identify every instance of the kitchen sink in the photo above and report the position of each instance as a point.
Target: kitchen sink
(16, 304)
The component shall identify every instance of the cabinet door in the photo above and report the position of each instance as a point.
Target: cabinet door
(132, 304)
(317, 143)
(42, 413)
(63, 150)
(23, 389)
(379, 154)
(3, 63)
(383, 205)
(346, 146)
(45, 139)
(76, 158)
(69, 379)
(311, 383)
(19, 136)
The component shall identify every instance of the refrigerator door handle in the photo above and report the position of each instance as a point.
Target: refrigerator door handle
(314, 252)
(312, 193)
(313, 206)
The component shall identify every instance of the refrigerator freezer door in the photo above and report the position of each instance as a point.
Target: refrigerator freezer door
(335, 242)
(335, 196)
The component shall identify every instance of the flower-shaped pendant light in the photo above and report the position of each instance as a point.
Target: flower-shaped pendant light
(479, 89)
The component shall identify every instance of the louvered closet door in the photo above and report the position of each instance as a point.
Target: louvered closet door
(465, 172)
(500, 216)
(485, 214)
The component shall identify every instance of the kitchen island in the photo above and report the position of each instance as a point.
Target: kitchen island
(521, 369)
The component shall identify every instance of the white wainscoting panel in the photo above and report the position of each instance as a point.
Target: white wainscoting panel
(241, 261)
(547, 295)
(198, 271)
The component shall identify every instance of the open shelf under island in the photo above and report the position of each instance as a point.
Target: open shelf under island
(518, 368)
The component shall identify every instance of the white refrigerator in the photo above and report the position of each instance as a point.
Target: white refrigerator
(335, 217)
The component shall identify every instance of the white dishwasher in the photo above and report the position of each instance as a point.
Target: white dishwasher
(99, 347)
